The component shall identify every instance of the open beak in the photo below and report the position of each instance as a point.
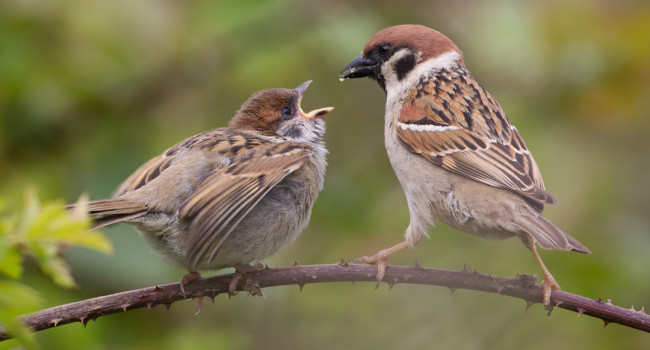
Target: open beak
(315, 114)
(359, 67)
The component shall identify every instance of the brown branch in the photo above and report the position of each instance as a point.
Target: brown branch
(522, 286)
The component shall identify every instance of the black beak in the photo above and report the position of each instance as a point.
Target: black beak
(359, 67)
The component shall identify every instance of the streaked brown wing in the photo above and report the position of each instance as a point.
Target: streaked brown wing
(454, 123)
(144, 174)
(228, 143)
(227, 196)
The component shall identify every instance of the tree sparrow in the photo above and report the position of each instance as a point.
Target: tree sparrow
(228, 196)
(459, 159)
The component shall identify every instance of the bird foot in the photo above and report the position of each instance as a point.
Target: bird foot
(548, 285)
(187, 278)
(240, 270)
(380, 259)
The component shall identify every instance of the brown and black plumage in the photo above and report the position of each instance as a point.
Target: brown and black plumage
(457, 156)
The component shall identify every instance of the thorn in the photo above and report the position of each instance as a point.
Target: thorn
(94, 318)
(606, 323)
(580, 311)
(296, 263)
(417, 264)
(199, 306)
(392, 284)
(352, 283)
(452, 290)
(600, 300)
(609, 302)
(558, 303)
(529, 303)
(84, 320)
(500, 289)
(266, 267)
(642, 310)
(301, 285)
(632, 308)
(156, 289)
(149, 305)
(55, 322)
(212, 297)
(168, 306)
(378, 283)
(124, 307)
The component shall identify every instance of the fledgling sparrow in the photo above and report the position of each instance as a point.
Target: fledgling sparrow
(457, 156)
(228, 196)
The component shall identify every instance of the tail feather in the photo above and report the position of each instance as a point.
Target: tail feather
(109, 211)
(549, 236)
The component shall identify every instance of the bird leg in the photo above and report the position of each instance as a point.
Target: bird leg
(187, 278)
(240, 270)
(549, 282)
(381, 258)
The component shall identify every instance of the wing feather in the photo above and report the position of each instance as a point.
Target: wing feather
(214, 213)
(225, 142)
(464, 130)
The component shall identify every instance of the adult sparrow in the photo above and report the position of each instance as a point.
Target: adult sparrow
(457, 156)
(228, 196)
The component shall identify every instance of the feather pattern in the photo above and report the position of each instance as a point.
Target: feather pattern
(224, 142)
(227, 196)
(453, 122)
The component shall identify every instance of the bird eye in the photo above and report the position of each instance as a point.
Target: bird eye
(384, 49)
(285, 113)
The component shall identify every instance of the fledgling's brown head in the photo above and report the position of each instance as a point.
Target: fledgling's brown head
(394, 52)
(277, 112)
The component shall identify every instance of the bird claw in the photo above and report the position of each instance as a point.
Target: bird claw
(241, 270)
(187, 278)
(548, 285)
(380, 259)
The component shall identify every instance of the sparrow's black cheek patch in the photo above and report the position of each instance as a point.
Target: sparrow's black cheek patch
(380, 79)
(404, 65)
(294, 132)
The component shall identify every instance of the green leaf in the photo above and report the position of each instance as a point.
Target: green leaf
(43, 231)
(17, 299)
(10, 261)
(55, 223)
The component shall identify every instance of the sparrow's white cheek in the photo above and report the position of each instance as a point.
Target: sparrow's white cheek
(388, 69)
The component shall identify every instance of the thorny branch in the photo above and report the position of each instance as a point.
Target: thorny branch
(522, 286)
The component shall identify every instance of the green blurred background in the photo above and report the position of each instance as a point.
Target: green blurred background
(89, 90)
